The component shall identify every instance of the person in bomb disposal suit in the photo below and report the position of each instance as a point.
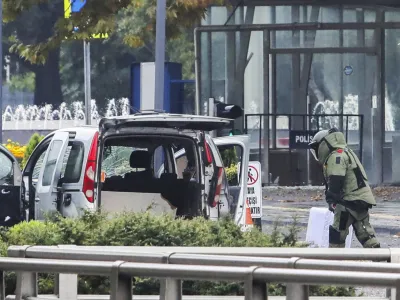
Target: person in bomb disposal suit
(347, 193)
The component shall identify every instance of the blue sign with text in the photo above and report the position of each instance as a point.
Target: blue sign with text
(76, 5)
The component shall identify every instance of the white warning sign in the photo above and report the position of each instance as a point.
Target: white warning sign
(254, 189)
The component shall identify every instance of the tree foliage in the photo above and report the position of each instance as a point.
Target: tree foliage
(22, 82)
(99, 16)
(30, 147)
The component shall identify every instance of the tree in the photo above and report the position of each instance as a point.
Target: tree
(110, 64)
(34, 26)
(39, 43)
(99, 16)
(33, 142)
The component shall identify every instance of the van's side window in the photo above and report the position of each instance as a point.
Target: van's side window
(181, 165)
(159, 159)
(72, 163)
(37, 167)
(50, 166)
(231, 156)
(187, 161)
(117, 160)
(6, 169)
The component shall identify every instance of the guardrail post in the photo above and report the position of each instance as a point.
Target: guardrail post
(170, 289)
(394, 258)
(254, 289)
(26, 281)
(3, 286)
(121, 285)
(66, 285)
(296, 292)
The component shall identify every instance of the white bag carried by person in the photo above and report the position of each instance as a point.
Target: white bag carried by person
(318, 228)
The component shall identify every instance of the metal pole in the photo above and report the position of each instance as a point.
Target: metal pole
(88, 91)
(297, 291)
(197, 51)
(160, 54)
(267, 101)
(211, 113)
(1, 73)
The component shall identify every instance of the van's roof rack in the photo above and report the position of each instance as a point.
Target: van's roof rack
(150, 111)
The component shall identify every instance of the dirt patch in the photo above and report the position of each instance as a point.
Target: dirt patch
(293, 194)
(387, 193)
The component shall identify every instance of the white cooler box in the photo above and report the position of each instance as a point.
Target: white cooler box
(318, 228)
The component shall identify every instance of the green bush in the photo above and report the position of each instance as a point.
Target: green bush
(232, 175)
(33, 142)
(129, 229)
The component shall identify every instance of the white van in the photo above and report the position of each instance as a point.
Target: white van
(162, 162)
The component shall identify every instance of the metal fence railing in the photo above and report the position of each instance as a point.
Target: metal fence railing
(273, 141)
(298, 267)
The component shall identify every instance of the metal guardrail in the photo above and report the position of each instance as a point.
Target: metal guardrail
(188, 297)
(282, 267)
(255, 278)
(106, 254)
(380, 254)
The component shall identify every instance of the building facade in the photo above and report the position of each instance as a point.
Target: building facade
(306, 68)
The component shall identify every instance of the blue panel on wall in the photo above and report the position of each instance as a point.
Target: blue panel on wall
(173, 92)
(135, 85)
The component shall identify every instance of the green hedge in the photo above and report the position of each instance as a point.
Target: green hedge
(144, 229)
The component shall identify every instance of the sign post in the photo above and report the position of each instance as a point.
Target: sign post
(254, 192)
(88, 87)
(74, 6)
(160, 54)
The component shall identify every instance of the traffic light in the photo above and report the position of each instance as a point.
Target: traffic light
(229, 111)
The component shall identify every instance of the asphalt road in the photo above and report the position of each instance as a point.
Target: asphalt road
(283, 204)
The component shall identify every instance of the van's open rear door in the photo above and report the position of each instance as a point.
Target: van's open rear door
(238, 190)
(50, 172)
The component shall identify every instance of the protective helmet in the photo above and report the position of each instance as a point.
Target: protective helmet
(317, 139)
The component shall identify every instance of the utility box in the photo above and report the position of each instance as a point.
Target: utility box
(143, 87)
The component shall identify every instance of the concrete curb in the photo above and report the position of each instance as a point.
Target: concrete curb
(379, 229)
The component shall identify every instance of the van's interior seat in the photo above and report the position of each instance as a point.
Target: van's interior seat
(140, 181)
(140, 159)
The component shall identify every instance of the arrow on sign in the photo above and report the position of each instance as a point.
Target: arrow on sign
(76, 5)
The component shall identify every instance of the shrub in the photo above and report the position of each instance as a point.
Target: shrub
(16, 149)
(231, 175)
(129, 229)
(33, 142)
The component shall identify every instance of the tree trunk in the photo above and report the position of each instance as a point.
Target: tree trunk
(48, 81)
